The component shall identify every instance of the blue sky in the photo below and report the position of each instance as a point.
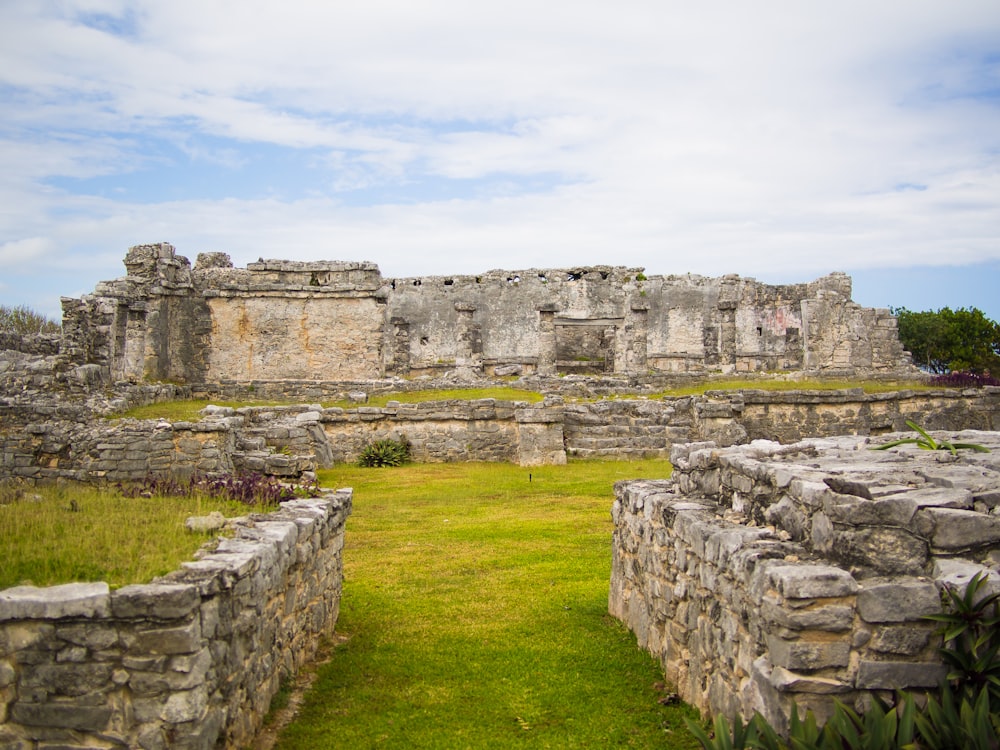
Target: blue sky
(780, 140)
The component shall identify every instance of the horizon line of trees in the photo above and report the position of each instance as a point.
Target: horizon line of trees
(949, 341)
(22, 320)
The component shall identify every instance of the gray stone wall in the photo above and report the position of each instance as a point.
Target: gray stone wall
(765, 575)
(440, 431)
(191, 660)
(43, 443)
(336, 320)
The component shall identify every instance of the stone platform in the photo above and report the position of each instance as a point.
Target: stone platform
(764, 575)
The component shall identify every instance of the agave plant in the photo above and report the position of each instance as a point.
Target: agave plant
(925, 442)
(385, 452)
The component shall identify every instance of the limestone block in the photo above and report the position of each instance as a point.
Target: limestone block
(787, 681)
(900, 639)
(941, 497)
(807, 653)
(61, 716)
(816, 616)
(73, 677)
(185, 706)
(883, 549)
(801, 581)
(158, 600)
(899, 675)
(893, 511)
(786, 515)
(956, 529)
(96, 636)
(54, 602)
(956, 573)
(897, 600)
(183, 639)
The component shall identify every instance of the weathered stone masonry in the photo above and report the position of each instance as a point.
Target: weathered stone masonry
(340, 321)
(769, 575)
(287, 441)
(191, 660)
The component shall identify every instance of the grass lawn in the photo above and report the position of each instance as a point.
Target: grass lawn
(474, 615)
(63, 535)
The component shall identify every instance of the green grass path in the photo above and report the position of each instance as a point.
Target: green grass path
(475, 616)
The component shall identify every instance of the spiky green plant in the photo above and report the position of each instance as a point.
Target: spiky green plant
(385, 452)
(928, 443)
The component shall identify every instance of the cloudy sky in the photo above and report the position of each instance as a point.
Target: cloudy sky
(775, 139)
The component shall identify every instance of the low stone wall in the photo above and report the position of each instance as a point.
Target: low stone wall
(117, 452)
(649, 427)
(787, 416)
(764, 576)
(440, 431)
(47, 442)
(628, 428)
(43, 344)
(283, 441)
(191, 660)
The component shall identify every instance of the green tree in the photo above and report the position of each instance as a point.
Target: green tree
(949, 340)
(23, 320)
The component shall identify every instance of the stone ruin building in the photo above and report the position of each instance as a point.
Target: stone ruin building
(342, 321)
(783, 564)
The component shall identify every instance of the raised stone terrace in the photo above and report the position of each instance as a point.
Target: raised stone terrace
(767, 575)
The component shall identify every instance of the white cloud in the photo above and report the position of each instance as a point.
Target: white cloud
(714, 137)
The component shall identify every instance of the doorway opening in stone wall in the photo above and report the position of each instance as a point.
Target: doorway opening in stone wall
(585, 346)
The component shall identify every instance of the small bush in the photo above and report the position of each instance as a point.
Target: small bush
(385, 452)
(249, 489)
(970, 628)
(25, 321)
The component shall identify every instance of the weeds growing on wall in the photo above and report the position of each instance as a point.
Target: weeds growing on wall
(970, 628)
(963, 380)
(249, 488)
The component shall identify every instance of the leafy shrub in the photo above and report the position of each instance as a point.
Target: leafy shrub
(385, 452)
(250, 488)
(23, 320)
(970, 627)
(963, 380)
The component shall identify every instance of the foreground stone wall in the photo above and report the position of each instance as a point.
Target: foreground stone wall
(764, 575)
(339, 320)
(191, 660)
